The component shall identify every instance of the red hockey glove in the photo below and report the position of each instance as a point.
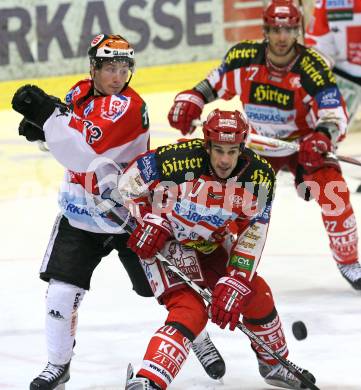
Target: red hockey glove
(187, 106)
(149, 238)
(229, 298)
(312, 150)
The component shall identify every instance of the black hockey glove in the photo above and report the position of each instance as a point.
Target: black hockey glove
(31, 132)
(35, 104)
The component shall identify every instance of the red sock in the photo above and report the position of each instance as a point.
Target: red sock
(168, 349)
(272, 334)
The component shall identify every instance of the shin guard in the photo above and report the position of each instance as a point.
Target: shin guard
(62, 303)
(337, 215)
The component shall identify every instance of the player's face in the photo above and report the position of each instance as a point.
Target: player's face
(111, 77)
(281, 40)
(224, 158)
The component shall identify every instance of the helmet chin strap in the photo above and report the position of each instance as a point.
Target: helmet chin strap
(127, 83)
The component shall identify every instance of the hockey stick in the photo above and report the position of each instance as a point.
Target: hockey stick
(261, 143)
(205, 294)
(42, 146)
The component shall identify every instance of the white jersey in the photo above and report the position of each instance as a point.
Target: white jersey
(335, 30)
(94, 142)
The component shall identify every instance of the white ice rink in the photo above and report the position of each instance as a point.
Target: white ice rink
(115, 324)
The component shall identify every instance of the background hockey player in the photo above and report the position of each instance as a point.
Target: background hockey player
(288, 92)
(335, 30)
(205, 205)
(105, 121)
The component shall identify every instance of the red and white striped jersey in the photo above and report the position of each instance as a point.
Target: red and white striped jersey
(335, 30)
(101, 134)
(176, 182)
(285, 105)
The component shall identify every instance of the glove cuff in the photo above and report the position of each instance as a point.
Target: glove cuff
(206, 90)
(323, 130)
(191, 96)
(156, 220)
(237, 283)
(330, 129)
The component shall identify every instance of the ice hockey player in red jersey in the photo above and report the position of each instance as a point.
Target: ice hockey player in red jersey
(288, 92)
(205, 205)
(102, 127)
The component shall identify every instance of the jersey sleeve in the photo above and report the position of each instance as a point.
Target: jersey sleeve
(135, 186)
(225, 80)
(327, 107)
(111, 127)
(66, 145)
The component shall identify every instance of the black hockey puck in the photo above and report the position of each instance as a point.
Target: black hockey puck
(358, 188)
(299, 330)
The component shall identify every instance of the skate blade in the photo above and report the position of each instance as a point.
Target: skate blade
(60, 387)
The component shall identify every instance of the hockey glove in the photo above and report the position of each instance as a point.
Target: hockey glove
(312, 151)
(150, 238)
(35, 104)
(229, 298)
(31, 132)
(187, 106)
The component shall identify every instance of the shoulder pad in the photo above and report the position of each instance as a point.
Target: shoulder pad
(78, 90)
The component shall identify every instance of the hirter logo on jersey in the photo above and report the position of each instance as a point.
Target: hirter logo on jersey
(118, 106)
(270, 95)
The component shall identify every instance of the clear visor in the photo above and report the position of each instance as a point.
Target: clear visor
(98, 62)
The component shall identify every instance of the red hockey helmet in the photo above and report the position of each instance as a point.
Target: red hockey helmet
(281, 13)
(111, 48)
(227, 127)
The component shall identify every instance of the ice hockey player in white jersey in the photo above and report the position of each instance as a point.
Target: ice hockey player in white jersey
(103, 125)
(335, 30)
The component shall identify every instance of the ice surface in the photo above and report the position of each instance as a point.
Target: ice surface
(115, 324)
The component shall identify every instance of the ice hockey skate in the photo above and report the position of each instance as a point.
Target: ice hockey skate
(134, 383)
(352, 273)
(279, 376)
(209, 356)
(51, 377)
